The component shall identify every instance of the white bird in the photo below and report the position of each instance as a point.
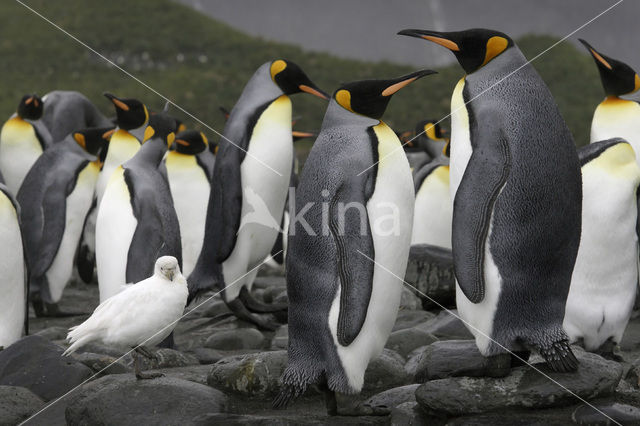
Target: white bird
(141, 314)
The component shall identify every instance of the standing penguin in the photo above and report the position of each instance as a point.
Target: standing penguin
(603, 287)
(55, 198)
(189, 181)
(66, 111)
(22, 140)
(433, 213)
(616, 117)
(342, 266)
(517, 191)
(427, 145)
(249, 188)
(136, 221)
(13, 286)
(132, 119)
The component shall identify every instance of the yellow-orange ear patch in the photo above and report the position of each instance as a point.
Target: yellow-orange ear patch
(277, 67)
(170, 138)
(600, 58)
(495, 46)
(637, 85)
(148, 133)
(430, 131)
(204, 138)
(79, 138)
(343, 97)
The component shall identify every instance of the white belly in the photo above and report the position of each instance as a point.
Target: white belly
(605, 276)
(390, 211)
(12, 284)
(78, 204)
(115, 227)
(460, 138)
(620, 119)
(190, 192)
(433, 210)
(19, 149)
(122, 147)
(264, 193)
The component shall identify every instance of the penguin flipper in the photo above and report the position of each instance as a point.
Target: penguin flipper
(145, 247)
(354, 251)
(484, 177)
(54, 212)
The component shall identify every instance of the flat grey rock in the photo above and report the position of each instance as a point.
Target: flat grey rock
(38, 365)
(126, 401)
(411, 318)
(410, 414)
(446, 326)
(102, 364)
(241, 338)
(381, 404)
(523, 387)
(255, 374)
(430, 271)
(405, 341)
(606, 414)
(17, 404)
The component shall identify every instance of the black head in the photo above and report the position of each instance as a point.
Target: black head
(161, 126)
(291, 79)
(473, 48)
(617, 77)
(94, 140)
(30, 107)
(191, 142)
(130, 113)
(370, 97)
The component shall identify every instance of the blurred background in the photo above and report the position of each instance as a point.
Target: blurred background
(200, 53)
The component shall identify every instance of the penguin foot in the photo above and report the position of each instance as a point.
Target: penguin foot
(287, 394)
(254, 305)
(559, 357)
(498, 365)
(606, 350)
(237, 307)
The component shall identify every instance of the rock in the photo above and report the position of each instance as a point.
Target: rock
(165, 358)
(102, 364)
(446, 326)
(136, 402)
(430, 271)
(53, 333)
(250, 375)
(408, 300)
(410, 414)
(99, 348)
(281, 338)
(633, 375)
(207, 355)
(281, 298)
(214, 309)
(408, 319)
(381, 404)
(623, 414)
(192, 373)
(242, 338)
(284, 419)
(413, 360)
(17, 404)
(384, 372)
(454, 358)
(405, 341)
(524, 387)
(37, 364)
(269, 283)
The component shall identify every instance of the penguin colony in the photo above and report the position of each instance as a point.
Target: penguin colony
(544, 236)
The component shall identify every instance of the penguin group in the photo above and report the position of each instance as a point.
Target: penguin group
(544, 236)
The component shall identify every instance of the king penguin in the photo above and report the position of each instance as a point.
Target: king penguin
(426, 145)
(132, 118)
(249, 188)
(13, 286)
(190, 184)
(605, 278)
(616, 117)
(433, 215)
(55, 198)
(517, 193)
(345, 269)
(22, 140)
(137, 222)
(66, 111)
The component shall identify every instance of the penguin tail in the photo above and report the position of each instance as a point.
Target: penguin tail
(77, 344)
(287, 394)
(559, 356)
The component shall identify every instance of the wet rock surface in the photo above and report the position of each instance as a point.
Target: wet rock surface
(17, 404)
(430, 271)
(523, 387)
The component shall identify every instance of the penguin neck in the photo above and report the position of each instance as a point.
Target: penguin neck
(501, 66)
(138, 132)
(337, 116)
(71, 146)
(151, 152)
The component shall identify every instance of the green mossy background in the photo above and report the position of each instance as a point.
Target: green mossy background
(202, 64)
